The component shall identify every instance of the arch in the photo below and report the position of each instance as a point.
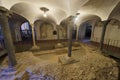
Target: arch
(62, 32)
(64, 25)
(39, 25)
(25, 31)
(27, 8)
(82, 21)
(115, 12)
(85, 31)
(112, 30)
(21, 8)
(83, 18)
(46, 31)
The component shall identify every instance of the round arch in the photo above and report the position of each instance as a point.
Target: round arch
(115, 13)
(85, 26)
(25, 31)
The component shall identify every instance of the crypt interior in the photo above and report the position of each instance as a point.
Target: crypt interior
(59, 39)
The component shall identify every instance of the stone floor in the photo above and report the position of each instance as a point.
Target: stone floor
(92, 65)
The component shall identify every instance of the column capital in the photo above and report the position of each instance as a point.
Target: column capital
(70, 19)
(5, 12)
(106, 21)
(32, 25)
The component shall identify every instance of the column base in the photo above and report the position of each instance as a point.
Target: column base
(76, 44)
(35, 47)
(59, 45)
(67, 60)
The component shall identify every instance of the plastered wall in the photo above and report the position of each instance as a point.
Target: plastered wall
(112, 34)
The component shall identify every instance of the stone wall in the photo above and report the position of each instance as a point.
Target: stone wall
(62, 32)
(111, 35)
(15, 30)
(97, 31)
(45, 31)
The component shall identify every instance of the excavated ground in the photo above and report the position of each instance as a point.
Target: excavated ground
(91, 64)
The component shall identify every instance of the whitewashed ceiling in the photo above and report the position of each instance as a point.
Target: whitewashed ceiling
(61, 9)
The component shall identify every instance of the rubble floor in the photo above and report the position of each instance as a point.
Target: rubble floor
(91, 64)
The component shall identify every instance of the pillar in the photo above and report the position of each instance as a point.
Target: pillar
(4, 13)
(37, 24)
(105, 23)
(58, 31)
(70, 40)
(33, 35)
(70, 23)
(76, 33)
(33, 38)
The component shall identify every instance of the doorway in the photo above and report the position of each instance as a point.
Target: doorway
(84, 32)
(26, 33)
(88, 32)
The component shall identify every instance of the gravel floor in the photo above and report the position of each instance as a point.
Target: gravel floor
(92, 65)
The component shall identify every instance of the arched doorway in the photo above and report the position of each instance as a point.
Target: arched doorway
(88, 32)
(84, 32)
(26, 33)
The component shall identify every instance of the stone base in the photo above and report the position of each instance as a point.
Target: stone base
(76, 44)
(67, 60)
(35, 48)
(59, 45)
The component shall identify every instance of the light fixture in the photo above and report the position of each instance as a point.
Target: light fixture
(77, 14)
(44, 9)
(76, 18)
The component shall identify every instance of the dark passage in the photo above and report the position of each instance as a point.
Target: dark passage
(88, 32)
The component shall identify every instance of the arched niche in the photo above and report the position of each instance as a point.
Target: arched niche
(112, 33)
(47, 31)
(62, 32)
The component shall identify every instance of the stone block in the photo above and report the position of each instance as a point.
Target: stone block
(59, 45)
(67, 60)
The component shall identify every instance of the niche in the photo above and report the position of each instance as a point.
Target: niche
(54, 32)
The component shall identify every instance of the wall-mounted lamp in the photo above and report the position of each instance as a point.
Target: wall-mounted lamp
(44, 9)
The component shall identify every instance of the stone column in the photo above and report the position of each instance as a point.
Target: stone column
(68, 59)
(77, 34)
(58, 37)
(70, 40)
(103, 33)
(33, 38)
(37, 30)
(70, 21)
(4, 14)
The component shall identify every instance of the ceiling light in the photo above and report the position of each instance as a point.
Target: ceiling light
(44, 9)
(44, 15)
(77, 14)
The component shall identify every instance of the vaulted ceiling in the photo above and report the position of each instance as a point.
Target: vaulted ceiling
(61, 9)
